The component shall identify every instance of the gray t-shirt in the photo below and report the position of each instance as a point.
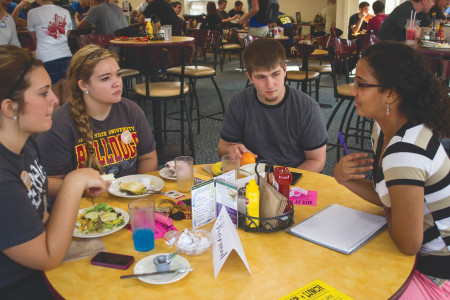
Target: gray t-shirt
(277, 133)
(107, 18)
(23, 193)
(63, 149)
(393, 27)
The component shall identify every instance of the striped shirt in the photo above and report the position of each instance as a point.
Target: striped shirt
(415, 157)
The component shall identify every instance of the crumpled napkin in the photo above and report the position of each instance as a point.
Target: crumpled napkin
(83, 248)
(171, 166)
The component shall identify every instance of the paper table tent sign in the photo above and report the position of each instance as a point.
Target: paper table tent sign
(226, 239)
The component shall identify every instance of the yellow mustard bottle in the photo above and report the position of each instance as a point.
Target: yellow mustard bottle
(252, 201)
(148, 28)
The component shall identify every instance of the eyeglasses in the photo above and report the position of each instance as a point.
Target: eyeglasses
(359, 85)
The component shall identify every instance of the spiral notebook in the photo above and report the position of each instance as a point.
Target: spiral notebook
(339, 228)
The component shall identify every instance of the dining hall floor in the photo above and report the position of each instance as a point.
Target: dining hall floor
(231, 81)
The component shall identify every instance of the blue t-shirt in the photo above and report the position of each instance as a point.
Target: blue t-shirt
(11, 7)
(253, 22)
(76, 7)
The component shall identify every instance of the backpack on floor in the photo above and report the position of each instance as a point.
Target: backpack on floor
(268, 11)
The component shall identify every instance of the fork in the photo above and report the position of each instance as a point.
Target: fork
(99, 221)
(148, 191)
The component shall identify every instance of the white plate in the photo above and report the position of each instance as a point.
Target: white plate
(157, 184)
(146, 265)
(126, 218)
(444, 49)
(164, 173)
(428, 43)
(247, 170)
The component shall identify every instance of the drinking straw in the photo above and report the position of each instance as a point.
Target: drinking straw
(410, 19)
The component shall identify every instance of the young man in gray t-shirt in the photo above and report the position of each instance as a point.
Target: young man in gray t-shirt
(273, 121)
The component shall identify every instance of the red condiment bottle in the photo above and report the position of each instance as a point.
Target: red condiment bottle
(282, 179)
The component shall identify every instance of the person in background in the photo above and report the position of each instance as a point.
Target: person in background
(97, 128)
(358, 21)
(224, 15)
(375, 22)
(285, 22)
(329, 13)
(81, 7)
(255, 27)
(237, 10)
(140, 9)
(437, 11)
(410, 169)
(8, 32)
(212, 20)
(393, 27)
(277, 123)
(163, 10)
(16, 11)
(106, 17)
(49, 26)
(31, 240)
(177, 9)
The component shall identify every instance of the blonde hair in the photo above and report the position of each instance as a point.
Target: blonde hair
(81, 68)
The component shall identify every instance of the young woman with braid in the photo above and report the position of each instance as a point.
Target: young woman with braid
(410, 169)
(31, 240)
(97, 128)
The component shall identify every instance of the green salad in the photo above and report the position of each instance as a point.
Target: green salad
(87, 222)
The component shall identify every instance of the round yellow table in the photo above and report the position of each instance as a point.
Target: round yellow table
(279, 262)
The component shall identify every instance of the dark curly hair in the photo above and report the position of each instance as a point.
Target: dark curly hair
(400, 68)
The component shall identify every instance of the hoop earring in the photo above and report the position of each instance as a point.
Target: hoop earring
(388, 110)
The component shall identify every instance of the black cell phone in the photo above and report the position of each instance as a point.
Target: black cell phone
(295, 177)
(113, 260)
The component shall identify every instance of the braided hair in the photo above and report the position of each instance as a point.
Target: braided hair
(81, 68)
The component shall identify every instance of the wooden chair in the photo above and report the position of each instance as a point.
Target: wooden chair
(209, 40)
(157, 92)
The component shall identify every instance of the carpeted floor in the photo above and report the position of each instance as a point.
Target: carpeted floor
(231, 81)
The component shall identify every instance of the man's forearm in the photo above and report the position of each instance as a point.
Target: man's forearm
(312, 165)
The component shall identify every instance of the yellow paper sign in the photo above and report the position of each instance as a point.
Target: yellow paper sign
(316, 290)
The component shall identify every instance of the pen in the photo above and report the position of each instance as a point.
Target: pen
(342, 142)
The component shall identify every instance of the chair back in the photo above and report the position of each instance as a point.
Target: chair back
(26, 41)
(325, 41)
(209, 40)
(250, 39)
(344, 48)
(73, 38)
(332, 56)
(367, 40)
(94, 38)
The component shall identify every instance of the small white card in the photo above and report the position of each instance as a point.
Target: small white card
(226, 239)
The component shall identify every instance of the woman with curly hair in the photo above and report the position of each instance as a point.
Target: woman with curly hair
(31, 240)
(410, 169)
(97, 128)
